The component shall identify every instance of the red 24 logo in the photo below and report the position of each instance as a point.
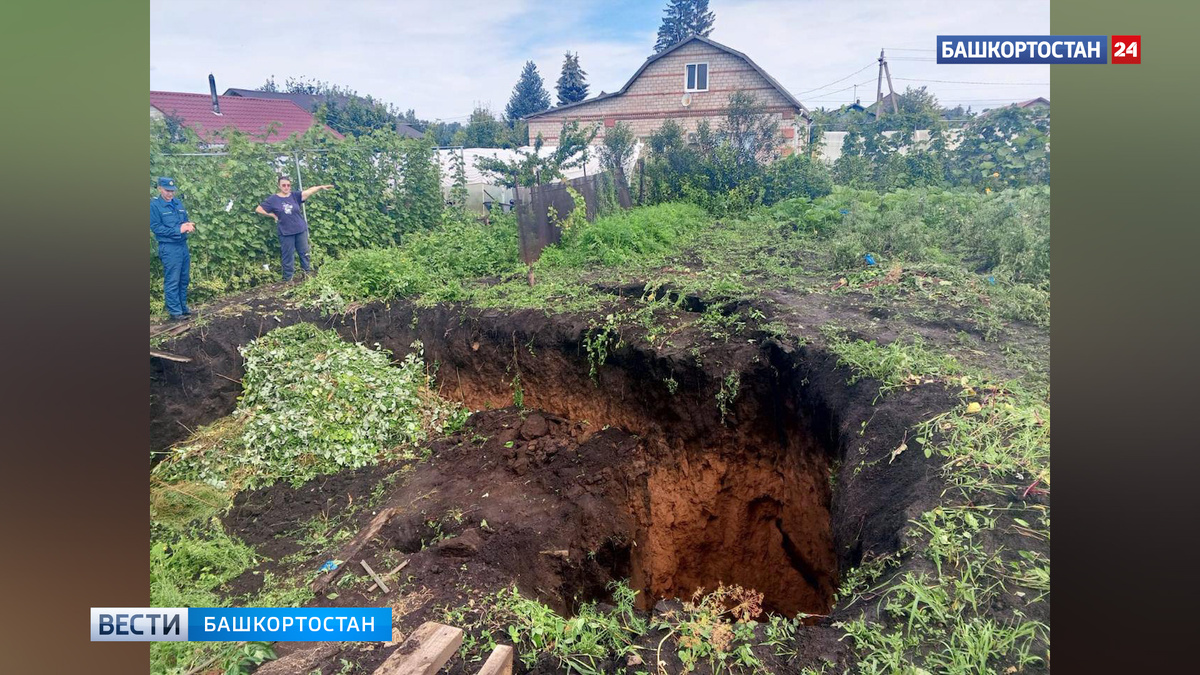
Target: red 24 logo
(1127, 49)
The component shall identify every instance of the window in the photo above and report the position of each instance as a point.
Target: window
(697, 77)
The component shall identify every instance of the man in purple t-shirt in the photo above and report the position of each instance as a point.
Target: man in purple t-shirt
(284, 207)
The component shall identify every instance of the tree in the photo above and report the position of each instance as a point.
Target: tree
(529, 95)
(357, 116)
(444, 132)
(684, 18)
(483, 130)
(342, 108)
(751, 131)
(572, 85)
(1005, 147)
(531, 167)
(618, 147)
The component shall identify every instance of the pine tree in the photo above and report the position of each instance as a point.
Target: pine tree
(529, 96)
(684, 18)
(572, 83)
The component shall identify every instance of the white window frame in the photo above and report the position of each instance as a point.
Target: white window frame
(697, 66)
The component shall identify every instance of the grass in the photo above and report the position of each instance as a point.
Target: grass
(580, 644)
(978, 262)
(993, 445)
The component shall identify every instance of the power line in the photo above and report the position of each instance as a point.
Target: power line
(828, 93)
(903, 49)
(921, 79)
(869, 65)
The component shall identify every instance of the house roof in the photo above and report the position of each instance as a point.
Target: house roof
(309, 102)
(1033, 102)
(712, 43)
(248, 115)
(407, 130)
(887, 102)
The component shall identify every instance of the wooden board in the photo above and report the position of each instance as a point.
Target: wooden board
(499, 663)
(169, 356)
(424, 652)
(389, 575)
(371, 572)
(347, 553)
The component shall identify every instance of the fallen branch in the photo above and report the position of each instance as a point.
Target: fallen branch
(227, 377)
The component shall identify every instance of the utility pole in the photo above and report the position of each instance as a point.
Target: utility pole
(879, 89)
(883, 68)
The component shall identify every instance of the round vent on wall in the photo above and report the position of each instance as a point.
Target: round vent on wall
(686, 100)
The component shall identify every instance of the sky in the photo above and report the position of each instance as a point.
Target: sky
(443, 58)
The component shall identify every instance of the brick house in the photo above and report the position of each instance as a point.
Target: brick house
(689, 82)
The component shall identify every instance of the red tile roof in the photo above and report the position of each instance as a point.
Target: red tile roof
(248, 115)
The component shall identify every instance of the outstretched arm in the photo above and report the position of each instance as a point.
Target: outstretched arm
(313, 190)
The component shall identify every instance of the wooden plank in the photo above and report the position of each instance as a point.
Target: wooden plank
(499, 663)
(170, 357)
(168, 329)
(347, 553)
(424, 652)
(371, 572)
(389, 575)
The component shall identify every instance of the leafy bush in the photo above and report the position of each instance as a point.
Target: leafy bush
(386, 186)
(797, 176)
(1010, 234)
(435, 264)
(315, 404)
(640, 236)
(1007, 147)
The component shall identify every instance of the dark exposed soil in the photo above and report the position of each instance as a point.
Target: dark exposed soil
(593, 481)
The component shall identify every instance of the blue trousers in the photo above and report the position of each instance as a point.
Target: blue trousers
(289, 246)
(177, 263)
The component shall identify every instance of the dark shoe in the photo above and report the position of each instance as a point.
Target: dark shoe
(189, 313)
(178, 317)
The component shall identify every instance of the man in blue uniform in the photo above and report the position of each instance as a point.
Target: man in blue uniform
(170, 224)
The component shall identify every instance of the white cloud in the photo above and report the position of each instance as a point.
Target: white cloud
(440, 58)
(805, 45)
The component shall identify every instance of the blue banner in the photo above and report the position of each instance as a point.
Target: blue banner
(307, 624)
(1022, 49)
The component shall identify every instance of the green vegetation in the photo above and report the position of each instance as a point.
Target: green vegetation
(994, 444)
(386, 187)
(580, 644)
(949, 252)
(972, 263)
(315, 404)
(715, 628)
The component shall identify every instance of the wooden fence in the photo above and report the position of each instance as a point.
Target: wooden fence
(537, 230)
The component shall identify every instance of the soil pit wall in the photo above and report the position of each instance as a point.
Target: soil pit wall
(740, 497)
(754, 522)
